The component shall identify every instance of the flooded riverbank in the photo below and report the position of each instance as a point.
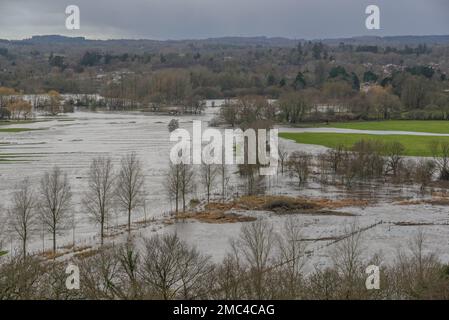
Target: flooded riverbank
(71, 142)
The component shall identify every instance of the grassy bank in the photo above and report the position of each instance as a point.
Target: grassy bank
(414, 145)
(431, 126)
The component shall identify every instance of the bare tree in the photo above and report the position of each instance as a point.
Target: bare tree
(299, 163)
(291, 257)
(173, 183)
(130, 185)
(440, 152)
(423, 172)
(171, 269)
(421, 265)
(336, 157)
(224, 179)
(186, 183)
(100, 276)
(22, 214)
(98, 199)
(209, 173)
(254, 183)
(394, 152)
(347, 259)
(283, 156)
(255, 245)
(55, 200)
(20, 279)
(229, 114)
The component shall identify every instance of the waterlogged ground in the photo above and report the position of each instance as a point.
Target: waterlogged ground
(72, 141)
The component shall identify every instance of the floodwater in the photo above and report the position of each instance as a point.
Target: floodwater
(71, 142)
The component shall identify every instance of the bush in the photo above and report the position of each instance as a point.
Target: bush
(173, 125)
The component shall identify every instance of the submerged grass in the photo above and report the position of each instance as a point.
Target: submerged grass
(16, 130)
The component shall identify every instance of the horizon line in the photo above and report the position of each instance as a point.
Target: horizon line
(222, 37)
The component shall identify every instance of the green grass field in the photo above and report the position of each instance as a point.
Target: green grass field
(414, 145)
(430, 126)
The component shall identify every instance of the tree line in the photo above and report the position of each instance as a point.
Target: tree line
(260, 264)
(50, 204)
(371, 81)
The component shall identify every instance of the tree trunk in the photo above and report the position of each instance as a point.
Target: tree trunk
(129, 220)
(222, 183)
(177, 201)
(208, 194)
(102, 233)
(183, 202)
(54, 241)
(24, 248)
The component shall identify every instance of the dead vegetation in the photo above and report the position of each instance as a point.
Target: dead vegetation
(50, 255)
(87, 253)
(67, 249)
(217, 212)
(436, 201)
(285, 203)
(216, 217)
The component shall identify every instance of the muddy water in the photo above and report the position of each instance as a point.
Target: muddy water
(71, 142)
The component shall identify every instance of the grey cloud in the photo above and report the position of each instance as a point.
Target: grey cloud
(180, 19)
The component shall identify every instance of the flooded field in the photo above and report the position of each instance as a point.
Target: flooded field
(71, 142)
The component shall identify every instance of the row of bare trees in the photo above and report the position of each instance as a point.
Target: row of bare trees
(182, 180)
(50, 205)
(107, 189)
(261, 264)
(368, 160)
(364, 161)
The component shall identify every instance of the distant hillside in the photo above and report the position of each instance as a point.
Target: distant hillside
(54, 39)
(236, 41)
(391, 40)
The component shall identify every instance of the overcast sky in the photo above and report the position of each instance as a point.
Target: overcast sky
(189, 19)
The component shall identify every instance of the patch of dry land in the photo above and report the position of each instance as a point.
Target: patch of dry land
(234, 211)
